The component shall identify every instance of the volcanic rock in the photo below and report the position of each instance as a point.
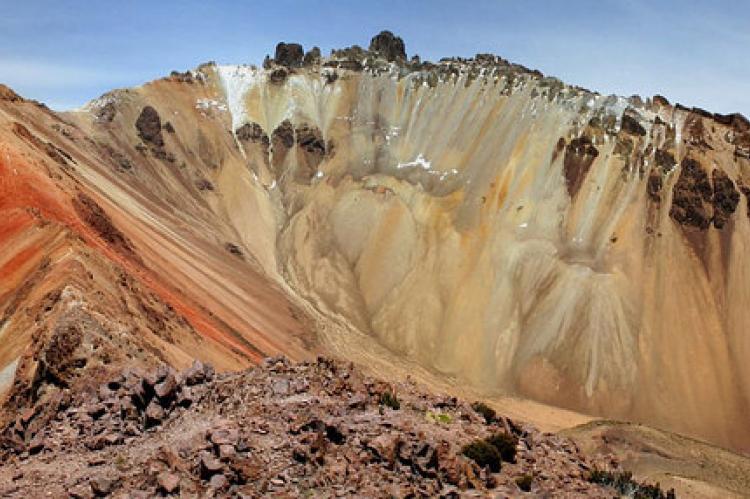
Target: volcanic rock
(148, 125)
(169, 483)
(289, 54)
(580, 154)
(389, 46)
(691, 196)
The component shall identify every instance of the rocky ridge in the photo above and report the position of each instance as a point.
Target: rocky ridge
(317, 428)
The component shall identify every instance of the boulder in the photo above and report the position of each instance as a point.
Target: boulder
(169, 483)
(224, 436)
(102, 485)
(166, 389)
(154, 414)
(209, 465)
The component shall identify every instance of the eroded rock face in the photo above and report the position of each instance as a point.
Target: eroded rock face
(106, 113)
(289, 54)
(310, 138)
(282, 139)
(631, 126)
(312, 149)
(664, 160)
(253, 133)
(148, 125)
(697, 203)
(389, 46)
(725, 198)
(283, 136)
(580, 153)
(692, 196)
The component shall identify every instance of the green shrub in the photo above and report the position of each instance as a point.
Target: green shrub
(389, 399)
(505, 445)
(524, 482)
(483, 454)
(623, 483)
(486, 411)
(438, 417)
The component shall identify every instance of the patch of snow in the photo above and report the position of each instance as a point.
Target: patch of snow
(98, 103)
(420, 161)
(206, 104)
(197, 75)
(237, 81)
(392, 133)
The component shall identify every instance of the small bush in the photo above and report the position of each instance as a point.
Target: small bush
(505, 445)
(389, 399)
(486, 411)
(623, 483)
(438, 417)
(483, 454)
(524, 482)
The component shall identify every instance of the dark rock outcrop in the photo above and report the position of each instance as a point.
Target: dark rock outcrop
(697, 203)
(580, 153)
(389, 46)
(278, 76)
(660, 100)
(310, 138)
(653, 186)
(692, 196)
(106, 113)
(312, 57)
(736, 121)
(312, 150)
(289, 54)
(725, 198)
(148, 125)
(283, 136)
(664, 160)
(253, 133)
(282, 140)
(630, 125)
(694, 131)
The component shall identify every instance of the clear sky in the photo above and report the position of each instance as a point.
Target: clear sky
(697, 53)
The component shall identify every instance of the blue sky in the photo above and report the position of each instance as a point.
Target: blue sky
(696, 53)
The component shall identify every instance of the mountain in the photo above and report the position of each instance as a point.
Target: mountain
(470, 222)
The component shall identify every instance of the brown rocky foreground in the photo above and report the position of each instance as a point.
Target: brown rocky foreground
(281, 429)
